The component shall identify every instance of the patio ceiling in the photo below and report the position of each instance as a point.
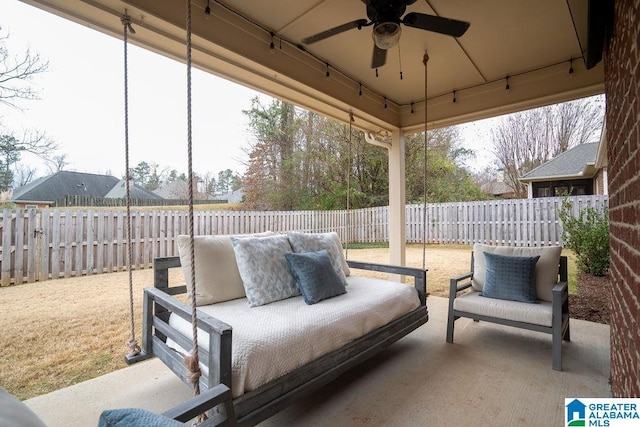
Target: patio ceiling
(533, 43)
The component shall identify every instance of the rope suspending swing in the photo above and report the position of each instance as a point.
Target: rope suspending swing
(134, 347)
(425, 59)
(192, 361)
(349, 160)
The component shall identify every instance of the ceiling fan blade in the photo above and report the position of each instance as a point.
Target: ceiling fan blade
(336, 30)
(437, 24)
(379, 57)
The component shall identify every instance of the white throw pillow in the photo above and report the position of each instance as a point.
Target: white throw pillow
(546, 267)
(217, 275)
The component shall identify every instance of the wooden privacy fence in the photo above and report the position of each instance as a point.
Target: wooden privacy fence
(53, 243)
(84, 201)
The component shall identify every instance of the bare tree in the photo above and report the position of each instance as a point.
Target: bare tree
(12, 147)
(16, 73)
(16, 83)
(23, 175)
(524, 141)
(57, 163)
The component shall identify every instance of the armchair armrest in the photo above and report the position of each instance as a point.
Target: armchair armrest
(560, 297)
(560, 288)
(455, 286)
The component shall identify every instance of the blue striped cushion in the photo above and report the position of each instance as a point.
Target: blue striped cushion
(510, 277)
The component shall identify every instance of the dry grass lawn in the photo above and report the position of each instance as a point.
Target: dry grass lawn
(60, 332)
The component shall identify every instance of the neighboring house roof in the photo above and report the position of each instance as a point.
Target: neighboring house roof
(119, 191)
(51, 188)
(233, 197)
(177, 189)
(578, 162)
(496, 188)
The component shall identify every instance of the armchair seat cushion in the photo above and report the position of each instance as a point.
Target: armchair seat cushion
(537, 314)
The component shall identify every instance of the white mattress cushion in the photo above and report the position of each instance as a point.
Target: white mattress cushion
(546, 267)
(273, 339)
(539, 313)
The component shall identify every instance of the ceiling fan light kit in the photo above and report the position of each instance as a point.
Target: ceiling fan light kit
(386, 34)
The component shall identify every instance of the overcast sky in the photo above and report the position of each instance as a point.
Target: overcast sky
(82, 96)
(81, 104)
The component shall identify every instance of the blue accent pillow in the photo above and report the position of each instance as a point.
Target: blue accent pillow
(133, 417)
(510, 277)
(315, 275)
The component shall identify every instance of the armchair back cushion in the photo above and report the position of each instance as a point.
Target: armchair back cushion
(546, 268)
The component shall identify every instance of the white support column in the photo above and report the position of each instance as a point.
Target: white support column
(397, 191)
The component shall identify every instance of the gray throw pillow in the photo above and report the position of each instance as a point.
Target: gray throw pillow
(315, 276)
(263, 268)
(510, 277)
(313, 242)
(14, 412)
(134, 417)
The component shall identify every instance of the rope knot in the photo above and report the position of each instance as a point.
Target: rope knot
(134, 347)
(126, 21)
(193, 366)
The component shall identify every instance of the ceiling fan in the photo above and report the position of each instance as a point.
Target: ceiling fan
(386, 17)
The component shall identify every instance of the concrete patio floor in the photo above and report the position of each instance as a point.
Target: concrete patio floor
(491, 375)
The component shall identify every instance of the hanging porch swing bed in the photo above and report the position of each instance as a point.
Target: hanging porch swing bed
(268, 343)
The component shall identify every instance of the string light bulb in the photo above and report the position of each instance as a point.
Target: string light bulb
(571, 70)
(272, 45)
(507, 87)
(385, 102)
(454, 97)
(412, 111)
(207, 9)
(327, 74)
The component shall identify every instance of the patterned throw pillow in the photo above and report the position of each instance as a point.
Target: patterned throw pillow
(263, 268)
(510, 277)
(315, 276)
(313, 242)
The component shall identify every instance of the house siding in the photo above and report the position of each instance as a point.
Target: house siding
(622, 87)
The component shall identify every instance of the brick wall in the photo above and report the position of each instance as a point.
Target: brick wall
(622, 86)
